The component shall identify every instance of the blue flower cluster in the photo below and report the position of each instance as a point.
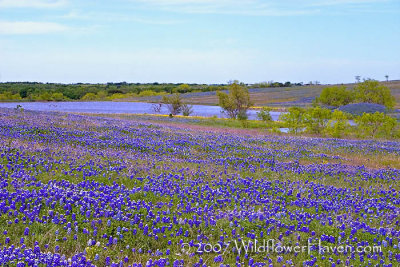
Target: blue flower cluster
(95, 191)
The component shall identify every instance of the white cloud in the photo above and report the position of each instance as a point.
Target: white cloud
(30, 27)
(112, 17)
(32, 3)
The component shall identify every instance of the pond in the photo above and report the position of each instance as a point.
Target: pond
(121, 107)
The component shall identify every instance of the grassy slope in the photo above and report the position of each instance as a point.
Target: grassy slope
(80, 157)
(252, 128)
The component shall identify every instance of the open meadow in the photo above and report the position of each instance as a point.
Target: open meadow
(80, 190)
(197, 133)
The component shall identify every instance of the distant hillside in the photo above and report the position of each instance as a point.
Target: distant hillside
(276, 96)
(284, 96)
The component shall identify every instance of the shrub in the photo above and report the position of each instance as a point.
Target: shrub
(264, 114)
(183, 88)
(101, 95)
(294, 119)
(119, 96)
(242, 117)
(374, 125)
(46, 96)
(147, 93)
(173, 103)
(9, 96)
(338, 125)
(335, 96)
(57, 97)
(316, 119)
(89, 96)
(371, 91)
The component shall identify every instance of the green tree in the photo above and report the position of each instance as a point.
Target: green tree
(89, 96)
(9, 96)
(376, 124)
(45, 96)
(101, 94)
(237, 102)
(23, 92)
(183, 88)
(338, 125)
(147, 93)
(371, 91)
(294, 119)
(316, 119)
(57, 96)
(264, 114)
(173, 103)
(335, 96)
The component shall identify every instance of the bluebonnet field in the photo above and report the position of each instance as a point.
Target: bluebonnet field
(84, 191)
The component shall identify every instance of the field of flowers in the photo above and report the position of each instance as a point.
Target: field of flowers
(96, 191)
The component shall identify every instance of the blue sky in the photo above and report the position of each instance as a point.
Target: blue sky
(200, 41)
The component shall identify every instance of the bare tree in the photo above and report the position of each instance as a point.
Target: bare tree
(157, 107)
(173, 103)
(187, 110)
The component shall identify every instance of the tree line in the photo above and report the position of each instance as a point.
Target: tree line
(34, 91)
(63, 92)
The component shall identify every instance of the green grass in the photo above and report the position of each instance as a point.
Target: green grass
(200, 121)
